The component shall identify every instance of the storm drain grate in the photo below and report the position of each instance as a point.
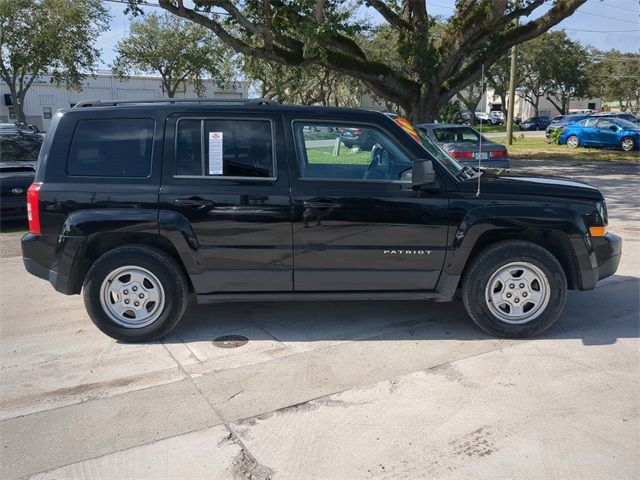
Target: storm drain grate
(230, 341)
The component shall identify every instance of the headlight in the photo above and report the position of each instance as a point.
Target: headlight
(602, 211)
(599, 221)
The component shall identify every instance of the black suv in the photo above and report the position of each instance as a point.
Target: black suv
(137, 205)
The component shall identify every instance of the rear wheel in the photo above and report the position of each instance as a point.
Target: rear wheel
(627, 144)
(573, 141)
(135, 293)
(514, 289)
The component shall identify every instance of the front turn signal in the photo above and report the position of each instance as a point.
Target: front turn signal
(597, 231)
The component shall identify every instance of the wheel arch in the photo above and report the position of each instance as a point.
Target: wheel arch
(98, 245)
(555, 242)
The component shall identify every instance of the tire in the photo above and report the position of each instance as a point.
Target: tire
(349, 145)
(484, 275)
(160, 288)
(627, 144)
(573, 141)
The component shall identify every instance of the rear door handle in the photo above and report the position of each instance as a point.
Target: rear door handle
(192, 202)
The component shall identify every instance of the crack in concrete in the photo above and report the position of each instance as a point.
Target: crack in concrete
(246, 467)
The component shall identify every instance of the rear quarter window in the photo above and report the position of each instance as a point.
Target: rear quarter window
(115, 147)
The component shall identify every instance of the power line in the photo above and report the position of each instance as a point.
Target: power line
(614, 6)
(599, 31)
(609, 18)
(144, 3)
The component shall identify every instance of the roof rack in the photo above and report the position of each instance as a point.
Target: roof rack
(220, 101)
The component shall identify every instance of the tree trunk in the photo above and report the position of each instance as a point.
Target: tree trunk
(425, 110)
(503, 105)
(17, 100)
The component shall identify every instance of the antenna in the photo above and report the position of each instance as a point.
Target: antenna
(480, 143)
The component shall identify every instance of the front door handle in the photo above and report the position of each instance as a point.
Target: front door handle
(193, 202)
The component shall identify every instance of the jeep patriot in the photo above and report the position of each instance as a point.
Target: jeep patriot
(139, 205)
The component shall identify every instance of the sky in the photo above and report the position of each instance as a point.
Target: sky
(604, 24)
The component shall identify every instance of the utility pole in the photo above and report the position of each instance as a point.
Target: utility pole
(512, 89)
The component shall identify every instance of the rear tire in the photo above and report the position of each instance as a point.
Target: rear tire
(627, 144)
(573, 141)
(135, 293)
(514, 289)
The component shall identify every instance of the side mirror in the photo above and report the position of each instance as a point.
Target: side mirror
(423, 176)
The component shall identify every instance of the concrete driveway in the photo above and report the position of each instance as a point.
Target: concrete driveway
(384, 390)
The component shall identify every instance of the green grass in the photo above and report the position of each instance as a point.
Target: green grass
(491, 128)
(324, 155)
(532, 148)
(319, 135)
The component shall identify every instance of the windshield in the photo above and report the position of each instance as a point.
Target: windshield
(439, 154)
(456, 134)
(20, 148)
(572, 118)
(428, 144)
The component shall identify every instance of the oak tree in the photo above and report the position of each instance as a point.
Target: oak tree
(329, 32)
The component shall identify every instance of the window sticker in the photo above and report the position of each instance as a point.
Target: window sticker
(215, 153)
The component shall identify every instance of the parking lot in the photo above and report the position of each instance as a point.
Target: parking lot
(340, 390)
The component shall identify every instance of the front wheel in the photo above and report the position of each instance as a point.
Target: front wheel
(627, 144)
(573, 142)
(135, 293)
(514, 289)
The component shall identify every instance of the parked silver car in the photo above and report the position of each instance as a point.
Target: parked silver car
(464, 144)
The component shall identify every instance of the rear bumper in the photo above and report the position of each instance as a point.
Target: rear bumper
(59, 281)
(603, 260)
(53, 258)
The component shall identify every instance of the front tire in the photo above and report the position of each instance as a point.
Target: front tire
(514, 289)
(627, 144)
(573, 141)
(135, 293)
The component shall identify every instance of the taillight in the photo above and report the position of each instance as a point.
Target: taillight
(461, 154)
(356, 131)
(498, 153)
(33, 212)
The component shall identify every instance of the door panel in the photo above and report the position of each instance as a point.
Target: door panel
(359, 234)
(604, 135)
(242, 225)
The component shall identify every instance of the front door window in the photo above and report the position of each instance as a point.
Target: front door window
(349, 152)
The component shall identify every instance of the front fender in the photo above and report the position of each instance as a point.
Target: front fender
(515, 221)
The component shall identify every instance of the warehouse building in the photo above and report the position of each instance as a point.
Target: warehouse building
(44, 98)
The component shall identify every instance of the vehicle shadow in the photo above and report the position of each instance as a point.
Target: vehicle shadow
(597, 317)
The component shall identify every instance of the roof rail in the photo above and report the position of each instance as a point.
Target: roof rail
(220, 101)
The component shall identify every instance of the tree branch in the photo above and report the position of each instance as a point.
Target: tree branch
(389, 15)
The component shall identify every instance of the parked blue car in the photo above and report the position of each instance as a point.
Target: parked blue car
(601, 132)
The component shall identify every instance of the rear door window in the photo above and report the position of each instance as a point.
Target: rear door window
(224, 148)
(116, 147)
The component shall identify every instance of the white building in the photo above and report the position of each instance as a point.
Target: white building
(44, 98)
(522, 108)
